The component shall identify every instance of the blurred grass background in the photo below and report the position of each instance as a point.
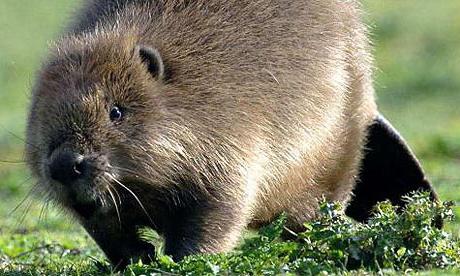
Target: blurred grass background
(417, 52)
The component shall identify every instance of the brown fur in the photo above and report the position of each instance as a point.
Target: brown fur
(263, 110)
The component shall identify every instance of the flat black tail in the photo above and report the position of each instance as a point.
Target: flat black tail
(389, 170)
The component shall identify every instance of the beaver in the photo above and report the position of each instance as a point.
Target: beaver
(201, 118)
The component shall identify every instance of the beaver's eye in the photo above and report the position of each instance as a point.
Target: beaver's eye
(116, 114)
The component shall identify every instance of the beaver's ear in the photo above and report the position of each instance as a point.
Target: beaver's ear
(153, 61)
(389, 170)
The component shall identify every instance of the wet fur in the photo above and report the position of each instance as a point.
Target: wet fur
(262, 110)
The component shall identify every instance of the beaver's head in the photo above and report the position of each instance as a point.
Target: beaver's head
(93, 119)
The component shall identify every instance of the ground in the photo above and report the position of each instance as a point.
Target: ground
(417, 83)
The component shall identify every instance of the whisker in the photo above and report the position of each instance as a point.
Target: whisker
(118, 195)
(114, 203)
(43, 211)
(24, 213)
(129, 171)
(29, 193)
(20, 138)
(13, 162)
(111, 186)
(133, 194)
(446, 178)
(103, 200)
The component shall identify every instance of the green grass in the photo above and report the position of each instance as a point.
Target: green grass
(417, 82)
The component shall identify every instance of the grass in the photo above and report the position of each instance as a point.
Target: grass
(418, 60)
(394, 239)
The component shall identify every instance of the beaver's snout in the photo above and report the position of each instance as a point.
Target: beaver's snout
(67, 167)
(71, 169)
(81, 176)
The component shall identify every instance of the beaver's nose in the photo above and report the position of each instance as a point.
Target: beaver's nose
(67, 167)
